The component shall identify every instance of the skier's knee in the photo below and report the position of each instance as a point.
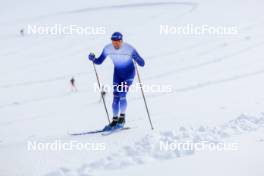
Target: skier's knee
(122, 95)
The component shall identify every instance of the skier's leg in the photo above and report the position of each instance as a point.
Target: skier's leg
(123, 94)
(116, 96)
(123, 107)
(115, 108)
(115, 105)
(123, 102)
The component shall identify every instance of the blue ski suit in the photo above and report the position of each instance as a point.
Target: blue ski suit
(124, 72)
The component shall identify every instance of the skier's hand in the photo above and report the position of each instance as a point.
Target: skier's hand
(91, 56)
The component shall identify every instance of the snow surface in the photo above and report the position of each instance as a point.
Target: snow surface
(217, 88)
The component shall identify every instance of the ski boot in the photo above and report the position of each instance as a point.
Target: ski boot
(121, 121)
(111, 125)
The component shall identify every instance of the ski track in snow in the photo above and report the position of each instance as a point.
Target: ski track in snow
(157, 76)
(148, 147)
(136, 5)
(209, 83)
(43, 81)
(154, 57)
(192, 6)
(176, 90)
(206, 63)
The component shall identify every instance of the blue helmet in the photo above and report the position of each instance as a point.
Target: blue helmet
(116, 36)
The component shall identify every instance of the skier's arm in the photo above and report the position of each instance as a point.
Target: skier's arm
(138, 58)
(101, 58)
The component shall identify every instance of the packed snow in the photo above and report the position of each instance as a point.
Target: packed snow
(217, 88)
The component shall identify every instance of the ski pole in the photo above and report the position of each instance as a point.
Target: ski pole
(102, 96)
(143, 95)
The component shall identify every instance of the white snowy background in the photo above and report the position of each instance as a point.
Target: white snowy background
(217, 88)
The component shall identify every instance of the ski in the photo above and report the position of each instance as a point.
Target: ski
(96, 131)
(87, 132)
(106, 133)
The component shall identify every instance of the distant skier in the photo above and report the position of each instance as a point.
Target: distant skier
(73, 87)
(22, 32)
(122, 56)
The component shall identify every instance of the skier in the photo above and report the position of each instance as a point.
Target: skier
(73, 87)
(123, 56)
(22, 32)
